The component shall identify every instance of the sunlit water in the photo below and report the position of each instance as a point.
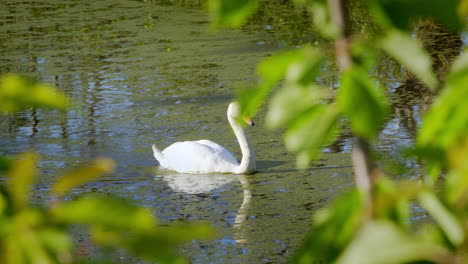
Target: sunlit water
(141, 72)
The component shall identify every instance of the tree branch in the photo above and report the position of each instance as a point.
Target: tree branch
(361, 151)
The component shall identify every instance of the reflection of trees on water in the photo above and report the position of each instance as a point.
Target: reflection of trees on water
(289, 24)
(412, 98)
(91, 84)
(443, 45)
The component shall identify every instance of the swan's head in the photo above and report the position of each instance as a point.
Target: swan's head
(234, 113)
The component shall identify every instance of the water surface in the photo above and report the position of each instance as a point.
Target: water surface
(144, 72)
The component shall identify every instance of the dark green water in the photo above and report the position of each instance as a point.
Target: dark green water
(144, 72)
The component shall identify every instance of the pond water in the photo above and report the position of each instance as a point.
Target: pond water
(145, 72)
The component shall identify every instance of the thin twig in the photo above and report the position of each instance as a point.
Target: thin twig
(361, 151)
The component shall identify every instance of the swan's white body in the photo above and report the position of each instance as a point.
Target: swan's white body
(204, 156)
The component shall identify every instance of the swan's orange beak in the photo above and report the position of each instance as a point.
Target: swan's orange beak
(249, 121)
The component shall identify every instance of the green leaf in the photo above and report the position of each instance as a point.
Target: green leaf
(252, 98)
(311, 131)
(382, 242)
(402, 13)
(391, 201)
(445, 125)
(21, 176)
(298, 105)
(117, 223)
(161, 245)
(80, 176)
(410, 53)
(300, 93)
(333, 229)
(364, 103)
(447, 221)
(271, 71)
(304, 69)
(117, 214)
(56, 241)
(446, 122)
(460, 65)
(290, 102)
(364, 53)
(231, 13)
(18, 93)
(5, 163)
(457, 178)
(25, 237)
(463, 8)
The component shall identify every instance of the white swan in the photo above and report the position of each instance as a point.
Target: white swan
(204, 156)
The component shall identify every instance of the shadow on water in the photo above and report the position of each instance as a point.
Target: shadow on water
(268, 164)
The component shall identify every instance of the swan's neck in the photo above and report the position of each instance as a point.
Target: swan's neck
(247, 163)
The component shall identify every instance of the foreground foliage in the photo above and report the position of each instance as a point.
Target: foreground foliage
(370, 225)
(40, 233)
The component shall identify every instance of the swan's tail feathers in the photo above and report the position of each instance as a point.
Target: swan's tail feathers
(158, 154)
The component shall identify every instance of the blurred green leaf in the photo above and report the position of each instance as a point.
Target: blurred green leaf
(79, 176)
(402, 13)
(311, 131)
(159, 245)
(111, 213)
(31, 246)
(231, 13)
(382, 242)
(18, 93)
(333, 229)
(363, 101)
(303, 71)
(252, 98)
(391, 201)
(290, 102)
(271, 71)
(118, 223)
(26, 243)
(5, 163)
(299, 105)
(463, 8)
(447, 221)
(299, 93)
(56, 240)
(364, 53)
(410, 53)
(456, 191)
(446, 123)
(460, 65)
(21, 176)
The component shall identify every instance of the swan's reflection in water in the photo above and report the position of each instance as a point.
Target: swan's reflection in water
(198, 183)
(205, 183)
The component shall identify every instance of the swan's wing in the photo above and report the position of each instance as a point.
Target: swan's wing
(211, 144)
(218, 148)
(196, 157)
